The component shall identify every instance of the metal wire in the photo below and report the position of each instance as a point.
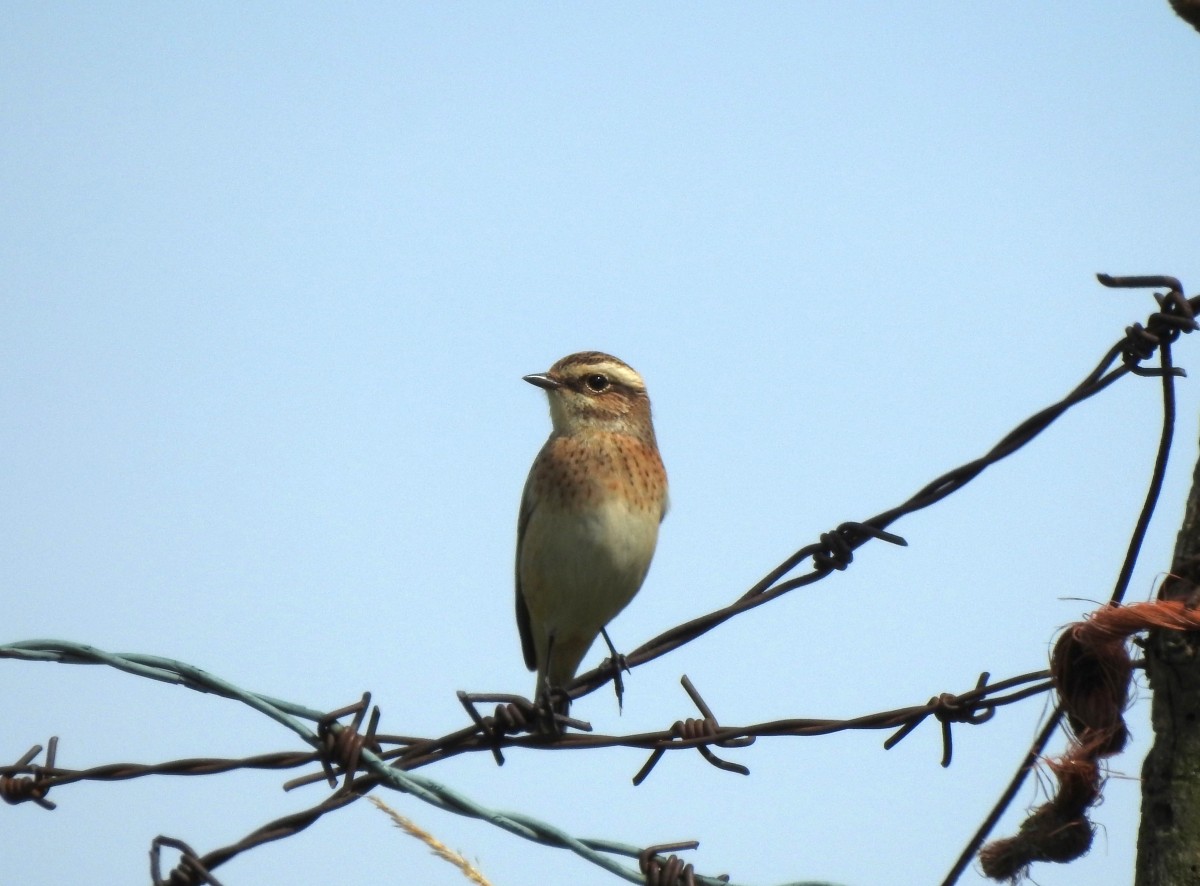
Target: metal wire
(368, 760)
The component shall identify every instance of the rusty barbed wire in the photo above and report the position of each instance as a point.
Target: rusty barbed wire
(671, 870)
(1175, 317)
(973, 706)
(834, 550)
(190, 870)
(410, 753)
(18, 788)
(949, 709)
(705, 731)
(369, 760)
(342, 745)
(970, 707)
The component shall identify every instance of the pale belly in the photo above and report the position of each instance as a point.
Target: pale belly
(578, 571)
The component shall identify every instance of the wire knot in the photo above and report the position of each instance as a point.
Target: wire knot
(514, 717)
(837, 547)
(693, 728)
(948, 708)
(342, 745)
(669, 871)
(190, 871)
(515, 714)
(698, 729)
(1174, 317)
(16, 789)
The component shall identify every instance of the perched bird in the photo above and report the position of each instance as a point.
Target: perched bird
(589, 514)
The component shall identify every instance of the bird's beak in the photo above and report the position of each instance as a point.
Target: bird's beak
(543, 381)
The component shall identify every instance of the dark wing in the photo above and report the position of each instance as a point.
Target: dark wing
(523, 625)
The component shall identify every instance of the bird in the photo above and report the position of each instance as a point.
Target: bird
(589, 517)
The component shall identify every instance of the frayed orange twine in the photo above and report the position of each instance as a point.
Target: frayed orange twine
(1091, 669)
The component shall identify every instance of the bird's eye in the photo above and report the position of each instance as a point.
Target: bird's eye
(597, 382)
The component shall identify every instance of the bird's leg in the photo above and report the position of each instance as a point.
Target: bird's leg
(551, 700)
(617, 664)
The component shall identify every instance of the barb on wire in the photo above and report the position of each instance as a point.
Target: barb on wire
(698, 732)
(949, 709)
(514, 714)
(16, 789)
(670, 870)
(342, 746)
(190, 870)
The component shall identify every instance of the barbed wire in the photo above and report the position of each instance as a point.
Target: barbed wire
(834, 550)
(365, 760)
(389, 766)
(407, 753)
(1175, 317)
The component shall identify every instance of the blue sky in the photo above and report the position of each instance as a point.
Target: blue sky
(273, 274)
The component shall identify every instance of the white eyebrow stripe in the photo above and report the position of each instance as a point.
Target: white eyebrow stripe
(621, 373)
(580, 366)
(616, 372)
